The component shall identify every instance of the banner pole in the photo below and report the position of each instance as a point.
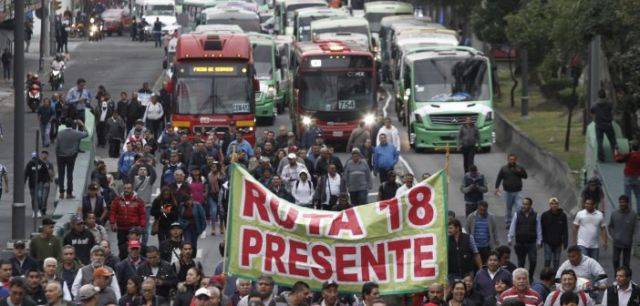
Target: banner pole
(447, 157)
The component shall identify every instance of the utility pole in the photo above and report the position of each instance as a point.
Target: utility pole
(524, 104)
(593, 86)
(43, 33)
(18, 207)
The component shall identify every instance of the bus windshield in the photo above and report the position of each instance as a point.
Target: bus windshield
(160, 10)
(248, 25)
(201, 95)
(262, 57)
(336, 91)
(451, 80)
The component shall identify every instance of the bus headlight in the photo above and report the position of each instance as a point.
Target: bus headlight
(271, 91)
(306, 120)
(369, 119)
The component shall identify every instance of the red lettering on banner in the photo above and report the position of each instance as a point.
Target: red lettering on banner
(290, 218)
(420, 255)
(351, 224)
(342, 263)
(251, 245)
(254, 198)
(320, 253)
(393, 213)
(275, 248)
(421, 212)
(295, 257)
(314, 222)
(379, 264)
(399, 247)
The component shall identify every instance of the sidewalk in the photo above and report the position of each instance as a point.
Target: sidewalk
(6, 154)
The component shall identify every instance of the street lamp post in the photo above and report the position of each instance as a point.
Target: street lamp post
(18, 207)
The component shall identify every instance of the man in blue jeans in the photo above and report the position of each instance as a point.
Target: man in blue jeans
(511, 176)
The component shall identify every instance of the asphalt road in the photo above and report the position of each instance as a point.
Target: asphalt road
(119, 64)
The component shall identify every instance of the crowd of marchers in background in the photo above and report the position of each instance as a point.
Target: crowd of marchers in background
(83, 267)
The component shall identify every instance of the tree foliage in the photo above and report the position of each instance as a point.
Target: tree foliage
(489, 22)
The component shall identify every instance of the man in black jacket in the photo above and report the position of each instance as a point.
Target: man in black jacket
(36, 173)
(21, 261)
(525, 228)
(463, 254)
(94, 203)
(555, 235)
(159, 270)
(170, 248)
(624, 292)
(510, 176)
(80, 238)
(603, 117)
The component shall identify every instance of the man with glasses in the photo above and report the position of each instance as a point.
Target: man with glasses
(17, 288)
(264, 288)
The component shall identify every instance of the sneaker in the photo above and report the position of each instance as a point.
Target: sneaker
(70, 196)
(62, 196)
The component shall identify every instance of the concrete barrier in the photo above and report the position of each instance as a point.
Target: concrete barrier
(556, 172)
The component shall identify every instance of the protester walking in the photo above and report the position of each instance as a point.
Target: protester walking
(468, 140)
(622, 226)
(67, 149)
(555, 233)
(603, 118)
(587, 226)
(7, 59)
(511, 176)
(474, 186)
(385, 157)
(358, 178)
(526, 231)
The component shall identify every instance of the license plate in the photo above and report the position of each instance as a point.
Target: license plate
(338, 134)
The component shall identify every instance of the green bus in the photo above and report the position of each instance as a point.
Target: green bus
(355, 25)
(304, 17)
(443, 86)
(265, 58)
(284, 13)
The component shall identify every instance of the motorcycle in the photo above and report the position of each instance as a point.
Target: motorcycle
(95, 30)
(34, 97)
(55, 79)
(77, 30)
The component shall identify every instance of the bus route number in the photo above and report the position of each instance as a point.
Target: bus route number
(346, 104)
(240, 107)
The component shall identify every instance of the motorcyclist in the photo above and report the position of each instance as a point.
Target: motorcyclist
(141, 25)
(58, 65)
(33, 79)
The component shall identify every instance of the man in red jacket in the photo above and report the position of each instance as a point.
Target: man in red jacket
(127, 211)
(631, 173)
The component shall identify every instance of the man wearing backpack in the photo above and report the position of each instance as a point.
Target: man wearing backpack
(568, 280)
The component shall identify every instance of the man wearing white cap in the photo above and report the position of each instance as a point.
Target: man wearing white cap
(290, 172)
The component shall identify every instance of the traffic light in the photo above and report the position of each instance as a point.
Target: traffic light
(56, 5)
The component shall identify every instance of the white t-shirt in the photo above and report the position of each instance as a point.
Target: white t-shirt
(393, 136)
(332, 187)
(589, 227)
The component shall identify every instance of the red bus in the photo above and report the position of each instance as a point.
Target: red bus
(334, 86)
(214, 84)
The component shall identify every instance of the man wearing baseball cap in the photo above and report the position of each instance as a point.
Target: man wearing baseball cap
(101, 279)
(128, 266)
(20, 261)
(170, 248)
(290, 172)
(80, 238)
(201, 297)
(86, 274)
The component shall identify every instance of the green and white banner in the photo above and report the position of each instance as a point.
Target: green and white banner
(399, 243)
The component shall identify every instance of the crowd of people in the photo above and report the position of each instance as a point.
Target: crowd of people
(79, 265)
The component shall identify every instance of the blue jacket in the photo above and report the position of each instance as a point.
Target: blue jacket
(385, 157)
(126, 161)
(484, 285)
(199, 218)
